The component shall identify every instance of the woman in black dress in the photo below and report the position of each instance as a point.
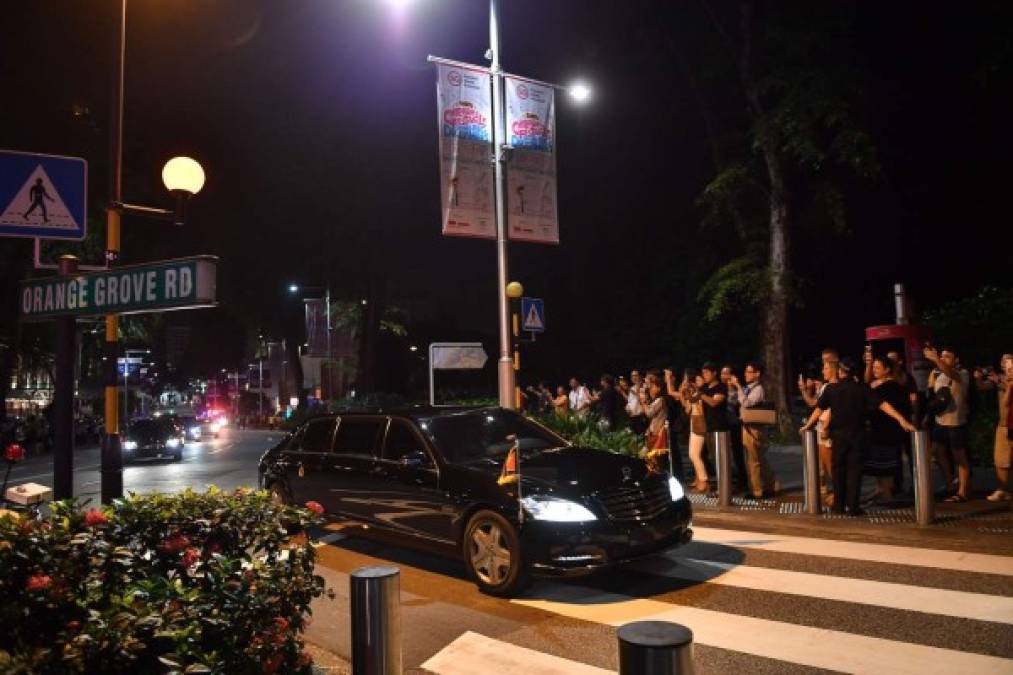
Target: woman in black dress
(886, 437)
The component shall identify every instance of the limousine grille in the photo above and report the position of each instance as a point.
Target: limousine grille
(636, 503)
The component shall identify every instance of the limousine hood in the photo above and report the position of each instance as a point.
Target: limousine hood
(573, 471)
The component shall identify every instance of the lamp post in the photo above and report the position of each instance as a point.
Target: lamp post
(580, 92)
(184, 178)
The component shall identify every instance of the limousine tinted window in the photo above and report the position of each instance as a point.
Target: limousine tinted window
(358, 437)
(486, 435)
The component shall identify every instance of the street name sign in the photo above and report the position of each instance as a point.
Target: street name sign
(457, 355)
(43, 196)
(184, 283)
(533, 315)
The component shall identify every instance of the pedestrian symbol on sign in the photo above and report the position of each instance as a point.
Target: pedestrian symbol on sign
(533, 312)
(29, 205)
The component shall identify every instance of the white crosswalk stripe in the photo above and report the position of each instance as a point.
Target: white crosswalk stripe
(962, 604)
(474, 654)
(791, 640)
(920, 557)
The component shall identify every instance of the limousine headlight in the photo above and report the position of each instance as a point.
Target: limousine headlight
(675, 487)
(172, 443)
(556, 510)
(129, 445)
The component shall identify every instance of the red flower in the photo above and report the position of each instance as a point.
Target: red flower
(39, 582)
(14, 453)
(95, 517)
(73, 626)
(315, 507)
(280, 624)
(174, 544)
(191, 557)
(272, 664)
(305, 659)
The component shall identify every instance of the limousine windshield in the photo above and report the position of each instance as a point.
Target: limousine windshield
(486, 435)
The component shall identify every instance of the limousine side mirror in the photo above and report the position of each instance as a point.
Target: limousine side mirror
(415, 460)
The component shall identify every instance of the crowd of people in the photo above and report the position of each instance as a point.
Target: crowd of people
(663, 408)
(862, 410)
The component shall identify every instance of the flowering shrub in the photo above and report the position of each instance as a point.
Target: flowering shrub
(187, 583)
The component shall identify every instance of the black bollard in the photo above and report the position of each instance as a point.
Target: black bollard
(655, 648)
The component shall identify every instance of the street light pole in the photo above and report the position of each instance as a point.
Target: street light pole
(506, 362)
(327, 300)
(112, 458)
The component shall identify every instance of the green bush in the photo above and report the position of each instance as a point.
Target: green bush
(187, 583)
(586, 432)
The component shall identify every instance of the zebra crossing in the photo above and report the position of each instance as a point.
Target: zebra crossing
(803, 602)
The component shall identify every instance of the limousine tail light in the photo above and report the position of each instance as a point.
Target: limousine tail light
(556, 510)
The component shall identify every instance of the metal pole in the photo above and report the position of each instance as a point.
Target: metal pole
(924, 497)
(723, 456)
(506, 362)
(63, 397)
(811, 471)
(112, 458)
(432, 379)
(328, 363)
(260, 387)
(655, 648)
(376, 621)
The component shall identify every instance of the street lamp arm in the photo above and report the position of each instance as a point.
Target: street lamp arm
(143, 211)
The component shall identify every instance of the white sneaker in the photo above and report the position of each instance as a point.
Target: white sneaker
(999, 496)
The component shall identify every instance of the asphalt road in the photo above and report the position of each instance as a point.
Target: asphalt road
(230, 461)
(759, 599)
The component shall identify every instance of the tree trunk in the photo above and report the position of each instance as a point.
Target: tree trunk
(775, 323)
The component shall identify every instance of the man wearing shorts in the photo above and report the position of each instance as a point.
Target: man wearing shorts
(949, 437)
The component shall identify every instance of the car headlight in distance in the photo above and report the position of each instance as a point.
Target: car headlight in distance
(556, 510)
(172, 443)
(215, 427)
(195, 432)
(129, 445)
(675, 487)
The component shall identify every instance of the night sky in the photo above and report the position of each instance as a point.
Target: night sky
(315, 122)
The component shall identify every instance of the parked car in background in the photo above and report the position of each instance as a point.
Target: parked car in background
(433, 478)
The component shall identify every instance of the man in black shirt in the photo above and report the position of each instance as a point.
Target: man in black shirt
(607, 401)
(714, 396)
(849, 404)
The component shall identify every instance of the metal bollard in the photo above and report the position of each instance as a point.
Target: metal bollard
(376, 621)
(655, 648)
(723, 457)
(924, 494)
(811, 472)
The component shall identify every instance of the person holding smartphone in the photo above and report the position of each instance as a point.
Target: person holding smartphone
(1003, 383)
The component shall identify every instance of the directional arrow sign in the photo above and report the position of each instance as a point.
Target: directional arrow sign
(42, 195)
(153, 287)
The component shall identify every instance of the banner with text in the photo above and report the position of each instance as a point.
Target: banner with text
(464, 99)
(531, 175)
(316, 326)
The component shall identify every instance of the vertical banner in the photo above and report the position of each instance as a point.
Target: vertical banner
(316, 326)
(464, 99)
(531, 175)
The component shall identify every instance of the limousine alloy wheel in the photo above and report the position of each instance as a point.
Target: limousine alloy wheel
(492, 554)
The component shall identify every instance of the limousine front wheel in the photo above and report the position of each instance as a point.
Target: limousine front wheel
(492, 554)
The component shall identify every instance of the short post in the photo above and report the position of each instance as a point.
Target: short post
(63, 397)
(723, 456)
(924, 497)
(655, 648)
(811, 471)
(376, 620)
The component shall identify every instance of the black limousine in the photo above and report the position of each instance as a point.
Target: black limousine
(433, 477)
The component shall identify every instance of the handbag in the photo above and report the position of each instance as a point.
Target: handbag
(940, 401)
(759, 416)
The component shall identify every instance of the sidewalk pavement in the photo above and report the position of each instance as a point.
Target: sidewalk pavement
(975, 525)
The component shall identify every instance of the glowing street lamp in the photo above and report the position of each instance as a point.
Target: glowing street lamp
(579, 92)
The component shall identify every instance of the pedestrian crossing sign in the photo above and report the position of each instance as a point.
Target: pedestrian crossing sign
(43, 196)
(533, 315)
